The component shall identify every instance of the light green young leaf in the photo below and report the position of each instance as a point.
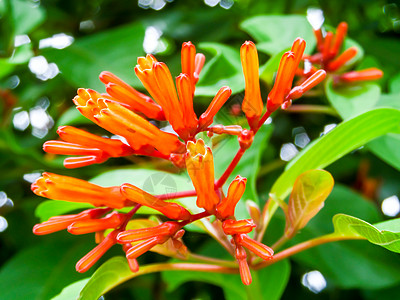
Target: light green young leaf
(347, 136)
(309, 193)
(224, 69)
(385, 234)
(275, 33)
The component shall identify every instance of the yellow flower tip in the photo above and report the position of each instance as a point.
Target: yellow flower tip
(195, 148)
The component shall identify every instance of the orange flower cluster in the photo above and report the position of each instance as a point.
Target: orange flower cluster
(282, 93)
(331, 60)
(125, 112)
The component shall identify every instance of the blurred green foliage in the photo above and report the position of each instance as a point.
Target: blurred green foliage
(109, 35)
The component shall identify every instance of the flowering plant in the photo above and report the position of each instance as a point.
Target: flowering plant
(126, 113)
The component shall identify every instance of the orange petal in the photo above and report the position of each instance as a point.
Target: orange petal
(341, 32)
(200, 166)
(236, 189)
(219, 100)
(342, 59)
(308, 84)
(257, 248)
(362, 75)
(86, 262)
(231, 227)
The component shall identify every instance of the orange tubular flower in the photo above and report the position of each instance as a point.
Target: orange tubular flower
(135, 235)
(121, 121)
(58, 223)
(185, 91)
(124, 93)
(94, 149)
(200, 166)
(367, 74)
(257, 248)
(341, 32)
(252, 103)
(244, 269)
(219, 100)
(192, 63)
(71, 189)
(226, 207)
(113, 220)
(169, 209)
(158, 81)
(86, 262)
(232, 227)
(342, 59)
(328, 57)
(132, 262)
(308, 84)
(284, 78)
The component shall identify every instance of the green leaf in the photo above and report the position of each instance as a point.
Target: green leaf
(109, 275)
(275, 33)
(53, 265)
(385, 234)
(224, 69)
(271, 67)
(71, 291)
(386, 148)
(72, 117)
(268, 283)
(307, 198)
(346, 264)
(26, 16)
(351, 100)
(394, 85)
(347, 136)
(115, 50)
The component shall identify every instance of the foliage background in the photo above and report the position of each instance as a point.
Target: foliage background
(108, 35)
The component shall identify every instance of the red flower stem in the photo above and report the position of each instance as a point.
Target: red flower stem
(177, 195)
(301, 247)
(128, 216)
(230, 168)
(263, 119)
(195, 218)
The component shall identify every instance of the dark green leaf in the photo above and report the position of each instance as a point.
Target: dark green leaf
(115, 50)
(268, 283)
(44, 270)
(224, 69)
